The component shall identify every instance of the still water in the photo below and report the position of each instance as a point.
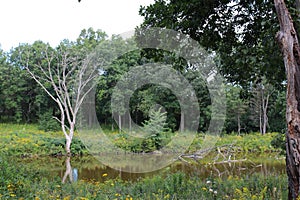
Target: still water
(89, 168)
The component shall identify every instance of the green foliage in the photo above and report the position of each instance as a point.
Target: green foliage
(28, 141)
(247, 143)
(279, 142)
(216, 25)
(156, 131)
(236, 109)
(47, 123)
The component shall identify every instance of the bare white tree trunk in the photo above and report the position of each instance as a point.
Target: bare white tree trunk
(260, 121)
(182, 122)
(120, 123)
(71, 79)
(239, 123)
(265, 103)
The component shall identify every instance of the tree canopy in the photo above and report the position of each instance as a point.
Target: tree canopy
(241, 32)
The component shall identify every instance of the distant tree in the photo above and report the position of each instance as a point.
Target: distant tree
(236, 106)
(261, 95)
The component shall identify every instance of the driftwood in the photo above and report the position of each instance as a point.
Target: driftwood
(228, 161)
(200, 154)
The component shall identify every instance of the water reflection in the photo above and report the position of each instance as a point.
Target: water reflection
(72, 169)
(71, 173)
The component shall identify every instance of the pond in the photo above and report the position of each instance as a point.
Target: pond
(89, 168)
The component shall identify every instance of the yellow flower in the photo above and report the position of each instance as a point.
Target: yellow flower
(204, 188)
(67, 198)
(104, 175)
(12, 195)
(117, 195)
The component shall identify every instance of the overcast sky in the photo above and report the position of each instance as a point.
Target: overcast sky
(25, 21)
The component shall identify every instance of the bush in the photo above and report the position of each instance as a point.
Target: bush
(47, 123)
(279, 142)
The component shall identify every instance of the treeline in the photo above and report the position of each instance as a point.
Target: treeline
(257, 107)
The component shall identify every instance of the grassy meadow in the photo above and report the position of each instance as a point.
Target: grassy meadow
(18, 181)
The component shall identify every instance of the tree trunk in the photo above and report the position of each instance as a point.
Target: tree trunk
(260, 120)
(69, 139)
(288, 41)
(120, 123)
(68, 146)
(130, 125)
(239, 123)
(182, 122)
(112, 122)
(265, 112)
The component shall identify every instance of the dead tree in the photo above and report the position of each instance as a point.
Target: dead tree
(70, 77)
(288, 41)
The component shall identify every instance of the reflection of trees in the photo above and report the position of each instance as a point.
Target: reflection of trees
(69, 172)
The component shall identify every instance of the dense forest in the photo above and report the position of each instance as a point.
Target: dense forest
(255, 96)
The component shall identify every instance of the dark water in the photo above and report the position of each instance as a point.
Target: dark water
(89, 168)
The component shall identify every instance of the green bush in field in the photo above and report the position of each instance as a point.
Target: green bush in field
(279, 142)
(47, 123)
(156, 130)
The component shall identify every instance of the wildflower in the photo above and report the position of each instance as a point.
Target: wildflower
(117, 195)
(12, 195)
(208, 182)
(215, 192)
(67, 198)
(104, 175)
(204, 188)
(211, 190)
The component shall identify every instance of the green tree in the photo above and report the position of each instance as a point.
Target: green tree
(236, 108)
(239, 31)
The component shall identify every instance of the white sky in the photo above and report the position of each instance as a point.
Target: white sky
(25, 21)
